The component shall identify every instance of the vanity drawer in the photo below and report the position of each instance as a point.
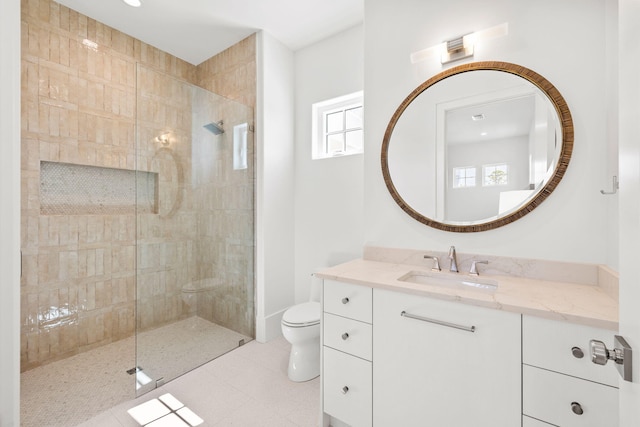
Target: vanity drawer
(347, 388)
(347, 300)
(549, 396)
(548, 344)
(347, 335)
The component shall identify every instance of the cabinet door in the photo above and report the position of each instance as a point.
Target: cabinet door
(427, 374)
(549, 344)
(347, 388)
(348, 300)
(347, 335)
(551, 397)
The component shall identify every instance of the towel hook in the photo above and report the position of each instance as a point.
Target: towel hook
(616, 186)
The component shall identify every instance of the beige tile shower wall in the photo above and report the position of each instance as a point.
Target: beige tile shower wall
(227, 217)
(79, 106)
(166, 240)
(224, 202)
(232, 73)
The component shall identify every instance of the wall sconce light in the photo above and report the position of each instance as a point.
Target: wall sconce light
(460, 47)
(456, 49)
(163, 139)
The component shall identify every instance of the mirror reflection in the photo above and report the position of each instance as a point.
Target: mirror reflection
(469, 151)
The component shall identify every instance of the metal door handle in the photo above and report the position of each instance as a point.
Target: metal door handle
(439, 322)
(621, 354)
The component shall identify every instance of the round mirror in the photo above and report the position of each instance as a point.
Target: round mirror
(477, 146)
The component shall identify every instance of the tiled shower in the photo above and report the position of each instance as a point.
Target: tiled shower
(134, 216)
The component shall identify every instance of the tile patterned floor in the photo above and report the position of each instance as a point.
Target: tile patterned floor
(246, 387)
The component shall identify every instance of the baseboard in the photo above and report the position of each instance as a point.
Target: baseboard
(269, 327)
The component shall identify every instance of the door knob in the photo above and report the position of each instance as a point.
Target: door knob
(345, 300)
(621, 354)
(345, 336)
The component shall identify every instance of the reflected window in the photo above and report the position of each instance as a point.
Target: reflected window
(464, 177)
(337, 126)
(495, 175)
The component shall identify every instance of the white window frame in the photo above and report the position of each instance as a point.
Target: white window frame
(494, 165)
(320, 110)
(465, 168)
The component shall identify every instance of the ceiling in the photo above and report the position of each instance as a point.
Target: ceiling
(497, 120)
(195, 30)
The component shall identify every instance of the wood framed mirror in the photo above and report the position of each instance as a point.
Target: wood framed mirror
(477, 146)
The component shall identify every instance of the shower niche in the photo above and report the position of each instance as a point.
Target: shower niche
(72, 189)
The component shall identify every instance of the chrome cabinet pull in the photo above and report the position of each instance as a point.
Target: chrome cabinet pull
(345, 336)
(577, 352)
(345, 390)
(439, 322)
(345, 300)
(577, 408)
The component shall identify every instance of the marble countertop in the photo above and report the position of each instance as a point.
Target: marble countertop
(582, 303)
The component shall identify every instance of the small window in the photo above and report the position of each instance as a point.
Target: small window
(337, 126)
(495, 175)
(464, 177)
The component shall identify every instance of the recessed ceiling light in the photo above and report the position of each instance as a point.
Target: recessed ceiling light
(134, 3)
(483, 134)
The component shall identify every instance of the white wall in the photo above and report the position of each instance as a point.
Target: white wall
(568, 225)
(481, 202)
(274, 185)
(328, 192)
(629, 109)
(10, 213)
(612, 132)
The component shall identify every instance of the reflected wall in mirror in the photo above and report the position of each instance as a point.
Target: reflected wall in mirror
(477, 146)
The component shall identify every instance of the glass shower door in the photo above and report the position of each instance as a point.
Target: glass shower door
(194, 227)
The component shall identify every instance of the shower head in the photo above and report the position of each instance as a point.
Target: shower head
(215, 128)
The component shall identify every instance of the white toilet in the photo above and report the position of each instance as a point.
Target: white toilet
(301, 327)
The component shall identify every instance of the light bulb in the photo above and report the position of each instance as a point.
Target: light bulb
(134, 3)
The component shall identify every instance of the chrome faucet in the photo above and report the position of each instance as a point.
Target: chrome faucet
(453, 267)
(474, 267)
(436, 264)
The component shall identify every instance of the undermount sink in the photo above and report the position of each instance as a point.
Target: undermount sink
(449, 280)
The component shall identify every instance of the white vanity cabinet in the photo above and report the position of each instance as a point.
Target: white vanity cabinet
(392, 358)
(561, 386)
(430, 374)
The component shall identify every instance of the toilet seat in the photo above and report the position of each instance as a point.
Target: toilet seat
(301, 315)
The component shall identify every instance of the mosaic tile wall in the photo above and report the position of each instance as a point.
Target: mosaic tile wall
(79, 107)
(67, 189)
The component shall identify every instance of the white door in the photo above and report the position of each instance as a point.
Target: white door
(629, 200)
